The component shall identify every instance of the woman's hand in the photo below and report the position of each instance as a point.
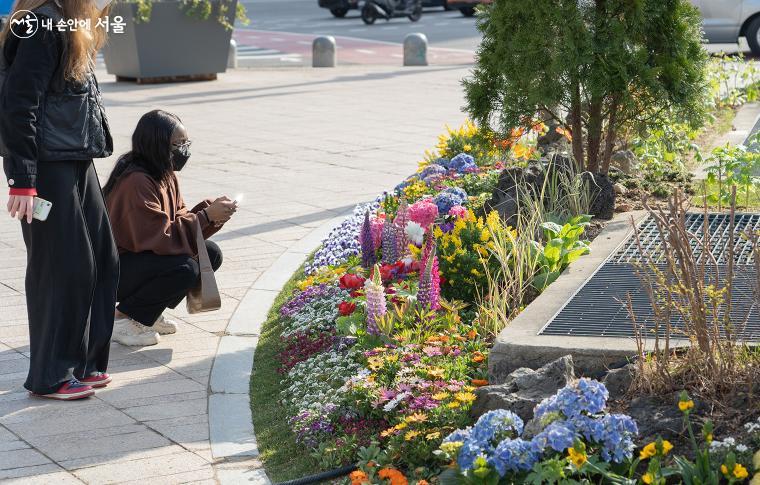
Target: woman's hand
(221, 210)
(21, 206)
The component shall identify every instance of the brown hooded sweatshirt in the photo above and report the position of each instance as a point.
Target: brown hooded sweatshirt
(147, 215)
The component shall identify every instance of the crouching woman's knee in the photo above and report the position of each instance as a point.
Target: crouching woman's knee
(214, 254)
(188, 273)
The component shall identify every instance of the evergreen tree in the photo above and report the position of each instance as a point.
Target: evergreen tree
(597, 67)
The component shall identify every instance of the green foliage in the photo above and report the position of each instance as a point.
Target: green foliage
(610, 64)
(563, 246)
(733, 166)
(196, 9)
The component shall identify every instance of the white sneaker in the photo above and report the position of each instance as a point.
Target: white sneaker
(129, 332)
(164, 326)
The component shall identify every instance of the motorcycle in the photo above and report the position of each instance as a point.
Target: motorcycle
(388, 9)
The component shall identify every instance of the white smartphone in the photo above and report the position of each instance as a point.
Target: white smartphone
(41, 209)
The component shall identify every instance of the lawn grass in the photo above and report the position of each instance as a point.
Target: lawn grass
(282, 457)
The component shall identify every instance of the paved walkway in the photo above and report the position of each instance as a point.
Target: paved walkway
(304, 146)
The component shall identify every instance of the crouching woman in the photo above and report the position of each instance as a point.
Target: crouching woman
(155, 231)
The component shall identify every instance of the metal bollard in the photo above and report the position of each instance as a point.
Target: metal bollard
(232, 62)
(324, 52)
(415, 50)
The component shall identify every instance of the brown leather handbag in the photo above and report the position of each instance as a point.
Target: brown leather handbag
(205, 296)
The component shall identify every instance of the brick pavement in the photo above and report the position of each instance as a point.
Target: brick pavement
(304, 146)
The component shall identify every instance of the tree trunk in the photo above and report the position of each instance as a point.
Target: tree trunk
(576, 124)
(609, 139)
(594, 133)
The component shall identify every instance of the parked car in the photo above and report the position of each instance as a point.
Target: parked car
(467, 7)
(339, 8)
(724, 21)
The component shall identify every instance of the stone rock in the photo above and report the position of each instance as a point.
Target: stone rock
(655, 417)
(620, 189)
(603, 195)
(624, 207)
(524, 389)
(624, 160)
(618, 381)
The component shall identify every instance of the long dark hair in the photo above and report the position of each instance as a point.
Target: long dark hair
(151, 148)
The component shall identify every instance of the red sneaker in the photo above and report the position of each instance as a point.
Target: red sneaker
(69, 391)
(97, 379)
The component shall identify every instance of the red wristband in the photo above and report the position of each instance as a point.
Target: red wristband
(31, 191)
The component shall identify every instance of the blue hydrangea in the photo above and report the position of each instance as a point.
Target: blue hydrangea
(592, 429)
(557, 436)
(449, 198)
(470, 452)
(617, 437)
(495, 426)
(432, 169)
(443, 162)
(459, 435)
(462, 162)
(514, 455)
(587, 396)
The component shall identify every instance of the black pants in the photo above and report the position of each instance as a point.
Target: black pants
(71, 277)
(151, 283)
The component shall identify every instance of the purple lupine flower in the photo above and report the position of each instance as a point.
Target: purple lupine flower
(376, 305)
(389, 245)
(369, 258)
(428, 293)
(402, 217)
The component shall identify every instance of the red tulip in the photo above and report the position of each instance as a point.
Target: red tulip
(346, 308)
(351, 282)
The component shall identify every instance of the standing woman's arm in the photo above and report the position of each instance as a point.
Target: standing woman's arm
(26, 82)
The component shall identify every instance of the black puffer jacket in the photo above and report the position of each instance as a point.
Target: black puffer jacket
(42, 115)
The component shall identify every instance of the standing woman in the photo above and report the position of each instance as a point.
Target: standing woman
(53, 124)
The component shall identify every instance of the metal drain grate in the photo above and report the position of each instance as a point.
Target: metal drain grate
(719, 225)
(598, 309)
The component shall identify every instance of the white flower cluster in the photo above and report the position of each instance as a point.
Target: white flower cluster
(319, 314)
(315, 382)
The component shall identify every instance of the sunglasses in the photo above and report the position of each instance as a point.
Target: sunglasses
(184, 148)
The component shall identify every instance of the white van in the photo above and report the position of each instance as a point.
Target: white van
(724, 21)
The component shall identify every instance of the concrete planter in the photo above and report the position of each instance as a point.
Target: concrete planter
(171, 46)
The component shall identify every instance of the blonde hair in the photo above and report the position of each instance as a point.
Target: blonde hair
(83, 44)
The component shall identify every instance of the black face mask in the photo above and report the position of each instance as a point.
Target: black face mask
(179, 159)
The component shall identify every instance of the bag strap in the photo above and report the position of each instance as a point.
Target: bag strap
(203, 260)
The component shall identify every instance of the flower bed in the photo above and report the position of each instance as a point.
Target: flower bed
(387, 334)
(383, 340)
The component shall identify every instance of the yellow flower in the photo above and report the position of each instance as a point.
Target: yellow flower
(577, 457)
(435, 372)
(400, 426)
(647, 478)
(387, 432)
(464, 397)
(685, 405)
(374, 362)
(724, 469)
(453, 404)
(666, 447)
(433, 436)
(467, 147)
(415, 418)
(410, 435)
(709, 438)
(440, 396)
(740, 472)
(648, 451)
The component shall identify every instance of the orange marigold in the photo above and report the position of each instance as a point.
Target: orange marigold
(358, 477)
(393, 475)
